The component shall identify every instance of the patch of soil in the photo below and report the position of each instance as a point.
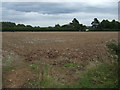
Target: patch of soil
(16, 78)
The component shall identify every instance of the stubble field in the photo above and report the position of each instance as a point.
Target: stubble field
(52, 59)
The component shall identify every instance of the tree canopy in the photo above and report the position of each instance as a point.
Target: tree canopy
(95, 23)
(73, 26)
(104, 25)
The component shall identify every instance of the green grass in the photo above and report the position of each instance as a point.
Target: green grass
(43, 78)
(102, 76)
(35, 66)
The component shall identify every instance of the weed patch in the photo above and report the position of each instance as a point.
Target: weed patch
(114, 48)
(103, 76)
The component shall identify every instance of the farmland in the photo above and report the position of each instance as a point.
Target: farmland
(57, 59)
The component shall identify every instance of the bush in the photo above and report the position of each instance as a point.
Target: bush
(114, 48)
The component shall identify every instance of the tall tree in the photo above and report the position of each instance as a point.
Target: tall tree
(75, 21)
(95, 23)
(75, 24)
(57, 26)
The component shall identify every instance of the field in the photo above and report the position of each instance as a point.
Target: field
(57, 59)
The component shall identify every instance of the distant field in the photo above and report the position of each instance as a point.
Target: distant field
(52, 59)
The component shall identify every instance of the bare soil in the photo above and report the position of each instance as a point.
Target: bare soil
(66, 53)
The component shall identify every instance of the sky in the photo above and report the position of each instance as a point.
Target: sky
(50, 12)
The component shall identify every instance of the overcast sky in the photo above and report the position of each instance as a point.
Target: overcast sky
(51, 12)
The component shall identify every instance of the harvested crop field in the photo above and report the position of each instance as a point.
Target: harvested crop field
(51, 59)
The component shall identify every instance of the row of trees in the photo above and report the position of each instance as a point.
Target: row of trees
(105, 25)
(73, 26)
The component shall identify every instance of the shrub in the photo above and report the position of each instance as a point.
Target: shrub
(114, 47)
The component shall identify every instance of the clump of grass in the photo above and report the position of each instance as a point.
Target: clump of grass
(35, 66)
(43, 79)
(114, 48)
(7, 64)
(70, 65)
(8, 60)
(103, 76)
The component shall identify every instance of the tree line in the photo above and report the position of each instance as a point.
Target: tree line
(72, 26)
(105, 25)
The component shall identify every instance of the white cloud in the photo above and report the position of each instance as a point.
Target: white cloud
(37, 18)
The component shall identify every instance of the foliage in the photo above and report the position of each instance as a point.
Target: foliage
(103, 76)
(105, 25)
(95, 23)
(74, 26)
(114, 48)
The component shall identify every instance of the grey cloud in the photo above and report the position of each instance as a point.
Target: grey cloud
(56, 8)
(47, 14)
(44, 8)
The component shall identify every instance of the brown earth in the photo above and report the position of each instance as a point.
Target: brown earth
(56, 49)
